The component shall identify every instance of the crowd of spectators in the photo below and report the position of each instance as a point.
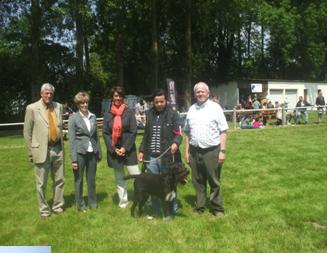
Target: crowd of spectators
(294, 115)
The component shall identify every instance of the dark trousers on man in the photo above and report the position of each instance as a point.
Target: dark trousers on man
(206, 168)
(86, 162)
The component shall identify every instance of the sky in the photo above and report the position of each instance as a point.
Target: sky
(25, 249)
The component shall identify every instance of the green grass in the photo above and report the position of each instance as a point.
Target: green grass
(273, 184)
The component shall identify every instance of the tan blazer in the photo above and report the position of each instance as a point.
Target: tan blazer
(36, 129)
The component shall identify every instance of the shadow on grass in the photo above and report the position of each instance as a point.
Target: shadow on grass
(190, 200)
(70, 199)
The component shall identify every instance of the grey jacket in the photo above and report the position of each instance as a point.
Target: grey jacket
(79, 136)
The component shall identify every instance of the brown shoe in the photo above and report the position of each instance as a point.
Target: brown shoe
(45, 217)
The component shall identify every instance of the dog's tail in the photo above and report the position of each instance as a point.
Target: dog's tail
(130, 177)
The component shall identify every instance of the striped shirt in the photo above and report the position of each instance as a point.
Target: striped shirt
(155, 142)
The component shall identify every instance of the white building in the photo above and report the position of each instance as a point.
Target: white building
(234, 92)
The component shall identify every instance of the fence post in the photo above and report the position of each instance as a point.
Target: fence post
(283, 115)
(234, 118)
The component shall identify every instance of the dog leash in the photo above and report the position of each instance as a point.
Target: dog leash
(159, 157)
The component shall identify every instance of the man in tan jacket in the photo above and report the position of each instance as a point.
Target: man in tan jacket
(44, 139)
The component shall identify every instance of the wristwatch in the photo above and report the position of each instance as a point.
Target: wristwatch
(223, 151)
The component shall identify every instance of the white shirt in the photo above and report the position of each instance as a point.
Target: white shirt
(88, 124)
(204, 123)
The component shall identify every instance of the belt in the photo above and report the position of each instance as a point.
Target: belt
(199, 149)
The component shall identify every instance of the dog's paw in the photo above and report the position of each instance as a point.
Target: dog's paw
(170, 196)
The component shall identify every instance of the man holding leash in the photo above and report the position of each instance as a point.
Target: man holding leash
(206, 136)
(43, 135)
(162, 137)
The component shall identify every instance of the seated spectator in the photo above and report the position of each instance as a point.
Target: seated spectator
(245, 123)
(270, 105)
(257, 123)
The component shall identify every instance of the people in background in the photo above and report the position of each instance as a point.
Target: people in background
(140, 113)
(85, 150)
(67, 111)
(257, 123)
(246, 123)
(302, 115)
(256, 104)
(249, 103)
(119, 131)
(215, 98)
(278, 113)
(44, 140)
(320, 103)
(270, 105)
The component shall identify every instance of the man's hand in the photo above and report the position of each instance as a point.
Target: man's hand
(75, 166)
(140, 156)
(221, 157)
(174, 148)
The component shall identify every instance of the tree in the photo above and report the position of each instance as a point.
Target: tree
(188, 89)
(35, 42)
(154, 42)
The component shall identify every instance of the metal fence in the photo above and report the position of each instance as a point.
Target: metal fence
(289, 116)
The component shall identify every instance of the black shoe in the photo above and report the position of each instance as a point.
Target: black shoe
(199, 211)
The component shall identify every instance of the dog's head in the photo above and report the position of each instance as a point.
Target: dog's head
(179, 172)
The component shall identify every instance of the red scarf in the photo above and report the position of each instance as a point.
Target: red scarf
(117, 125)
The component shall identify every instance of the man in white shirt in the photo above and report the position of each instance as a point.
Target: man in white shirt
(206, 135)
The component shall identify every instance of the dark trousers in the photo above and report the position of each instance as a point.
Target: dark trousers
(206, 168)
(88, 163)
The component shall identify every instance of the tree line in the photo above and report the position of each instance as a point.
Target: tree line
(93, 45)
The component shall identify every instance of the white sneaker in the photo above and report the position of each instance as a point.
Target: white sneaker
(123, 204)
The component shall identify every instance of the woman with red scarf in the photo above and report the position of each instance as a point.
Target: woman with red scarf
(119, 131)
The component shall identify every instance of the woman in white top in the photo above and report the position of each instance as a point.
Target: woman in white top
(85, 150)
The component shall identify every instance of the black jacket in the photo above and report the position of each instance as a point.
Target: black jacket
(299, 104)
(170, 133)
(320, 100)
(127, 139)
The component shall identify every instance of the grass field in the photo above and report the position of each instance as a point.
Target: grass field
(273, 184)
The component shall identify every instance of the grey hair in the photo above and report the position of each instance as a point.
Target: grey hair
(203, 85)
(47, 86)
